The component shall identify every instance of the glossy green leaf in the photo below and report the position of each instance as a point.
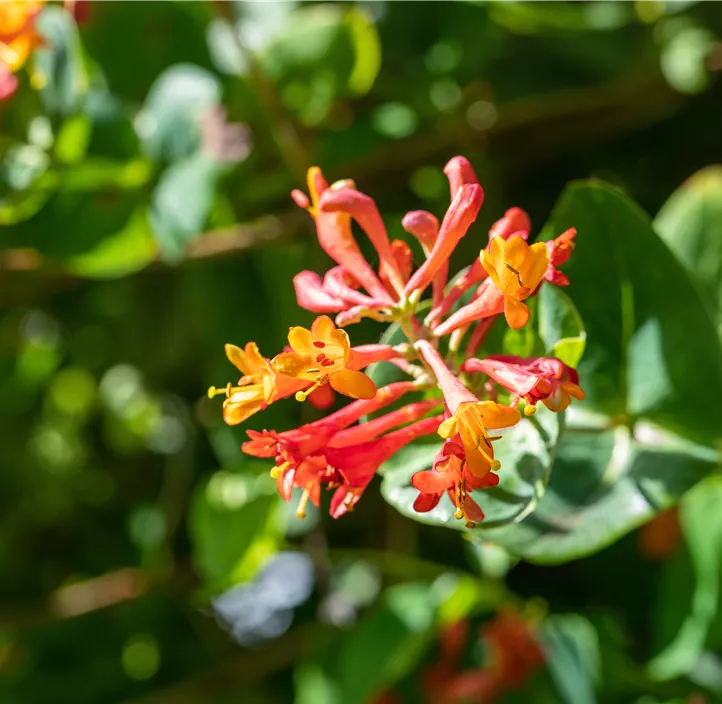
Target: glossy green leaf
(60, 70)
(233, 525)
(388, 643)
(169, 123)
(560, 325)
(604, 483)
(652, 350)
(690, 222)
(181, 202)
(572, 654)
(526, 453)
(701, 521)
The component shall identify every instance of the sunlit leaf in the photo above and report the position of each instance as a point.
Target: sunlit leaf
(526, 453)
(181, 202)
(169, 123)
(60, 71)
(690, 222)
(701, 521)
(233, 525)
(551, 18)
(120, 254)
(572, 655)
(651, 350)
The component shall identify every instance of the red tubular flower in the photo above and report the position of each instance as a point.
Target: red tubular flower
(469, 416)
(460, 173)
(335, 235)
(311, 437)
(488, 302)
(461, 214)
(322, 397)
(560, 249)
(451, 473)
(299, 453)
(514, 222)
(378, 426)
(425, 227)
(534, 379)
(357, 205)
(404, 258)
(338, 282)
(362, 356)
(313, 295)
(357, 464)
(514, 651)
(8, 82)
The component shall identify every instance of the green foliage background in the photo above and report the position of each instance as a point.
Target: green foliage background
(142, 227)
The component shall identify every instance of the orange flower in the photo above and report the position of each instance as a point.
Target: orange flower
(17, 31)
(517, 269)
(321, 355)
(470, 420)
(259, 386)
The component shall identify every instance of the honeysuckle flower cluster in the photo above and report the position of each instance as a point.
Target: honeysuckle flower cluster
(450, 392)
(512, 655)
(18, 38)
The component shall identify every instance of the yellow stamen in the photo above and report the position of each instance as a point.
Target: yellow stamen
(278, 470)
(515, 271)
(529, 410)
(301, 510)
(228, 390)
(459, 514)
(303, 395)
(495, 464)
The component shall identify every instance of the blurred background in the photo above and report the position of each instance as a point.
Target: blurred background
(147, 151)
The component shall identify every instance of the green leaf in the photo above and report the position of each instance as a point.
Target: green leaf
(690, 222)
(542, 18)
(60, 67)
(73, 139)
(387, 644)
(181, 202)
(572, 655)
(683, 56)
(326, 52)
(125, 252)
(169, 123)
(555, 330)
(233, 525)
(525, 451)
(652, 350)
(604, 484)
(701, 521)
(560, 325)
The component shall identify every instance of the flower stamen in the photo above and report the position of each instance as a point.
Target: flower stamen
(301, 510)
(227, 390)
